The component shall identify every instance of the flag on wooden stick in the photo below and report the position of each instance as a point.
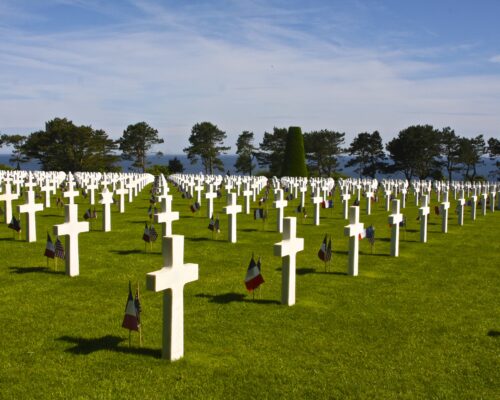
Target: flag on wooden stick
(146, 236)
(131, 318)
(15, 224)
(50, 250)
(253, 278)
(322, 250)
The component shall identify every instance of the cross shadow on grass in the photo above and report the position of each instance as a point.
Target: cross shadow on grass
(301, 271)
(83, 346)
(366, 253)
(249, 230)
(29, 270)
(9, 239)
(493, 333)
(231, 297)
(199, 239)
(127, 252)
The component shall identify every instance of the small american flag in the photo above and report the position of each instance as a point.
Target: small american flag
(59, 248)
(153, 235)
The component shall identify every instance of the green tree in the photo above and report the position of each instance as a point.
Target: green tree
(368, 153)
(272, 150)
(157, 169)
(175, 166)
(322, 150)
(415, 151)
(206, 144)
(494, 151)
(67, 147)
(449, 147)
(469, 154)
(17, 142)
(245, 150)
(294, 163)
(136, 141)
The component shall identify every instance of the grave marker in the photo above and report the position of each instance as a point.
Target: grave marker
(171, 280)
(231, 210)
(353, 230)
(394, 219)
(71, 229)
(288, 249)
(30, 208)
(423, 213)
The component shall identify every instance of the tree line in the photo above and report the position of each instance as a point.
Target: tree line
(419, 151)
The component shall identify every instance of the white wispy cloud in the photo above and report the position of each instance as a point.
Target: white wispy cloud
(249, 66)
(495, 59)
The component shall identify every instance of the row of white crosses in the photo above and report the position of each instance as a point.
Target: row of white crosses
(71, 228)
(171, 278)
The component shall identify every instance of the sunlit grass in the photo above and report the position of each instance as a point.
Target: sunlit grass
(424, 325)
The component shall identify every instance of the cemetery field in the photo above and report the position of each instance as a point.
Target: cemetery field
(423, 325)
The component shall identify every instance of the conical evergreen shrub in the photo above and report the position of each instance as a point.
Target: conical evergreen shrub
(294, 163)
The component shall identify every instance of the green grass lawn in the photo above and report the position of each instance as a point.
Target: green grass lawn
(424, 325)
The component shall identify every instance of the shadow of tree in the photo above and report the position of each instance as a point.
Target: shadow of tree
(231, 297)
(83, 346)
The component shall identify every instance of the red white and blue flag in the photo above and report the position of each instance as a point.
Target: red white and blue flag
(131, 318)
(15, 224)
(328, 255)
(322, 250)
(146, 236)
(59, 249)
(254, 278)
(153, 235)
(50, 250)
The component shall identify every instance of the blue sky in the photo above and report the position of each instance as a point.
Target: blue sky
(350, 66)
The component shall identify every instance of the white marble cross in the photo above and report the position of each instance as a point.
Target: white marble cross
(387, 194)
(8, 196)
(484, 198)
(492, 200)
(473, 205)
(247, 193)
(345, 202)
(288, 249)
(317, 199)
(461, 207)
(166, 216)
(91, 187)
(106, 201)
(210, 195)
(47, 189)
(30, 208)
(71, 229)
(171, 280)
(445, 205)
(303, 190)
(423, 213)
(131, 187)
(353, 230)
(231, 210)
(121, 191)
(71, 193)
(280, 205)
(198, 188)
(369, 196)
(394, 219)
(403, 197)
